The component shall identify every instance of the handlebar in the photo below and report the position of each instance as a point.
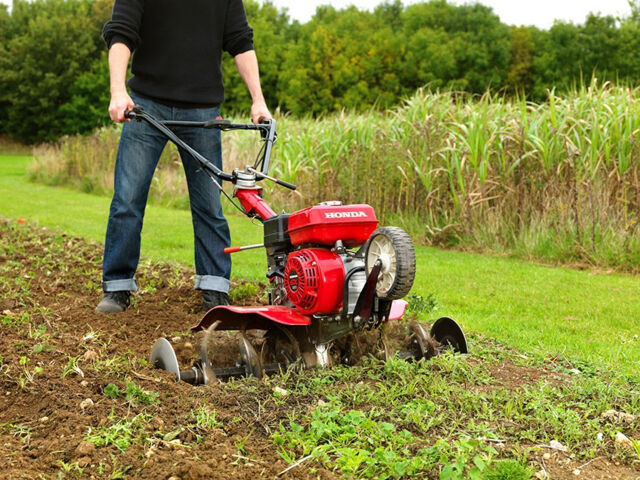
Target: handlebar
(267, 131)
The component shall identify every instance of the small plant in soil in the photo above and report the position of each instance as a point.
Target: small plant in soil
(112, 391)
(421, 305)
(204, 418)
(72, 367)
(70, 468)
(509, 470)
(133, 394)
(121, 434)
(20, 431)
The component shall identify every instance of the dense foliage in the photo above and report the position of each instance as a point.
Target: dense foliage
(54, 77)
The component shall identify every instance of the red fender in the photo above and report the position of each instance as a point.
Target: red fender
(261, 318)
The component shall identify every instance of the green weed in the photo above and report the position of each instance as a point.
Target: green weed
(72, 367)
(359, 445)
(121, 433)
(71, 468)
(508, 470)
(243, 292)
(205, 418)
(20, 431)
(133, 394)
(636, 447)
(112, 391)
(421, 305)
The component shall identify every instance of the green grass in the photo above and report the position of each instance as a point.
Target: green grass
(584, 315)
(167, 234)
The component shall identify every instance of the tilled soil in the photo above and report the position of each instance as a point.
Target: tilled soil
(58, 358)
(44, 422)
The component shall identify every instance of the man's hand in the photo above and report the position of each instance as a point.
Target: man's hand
(260, 112)
(120, 102)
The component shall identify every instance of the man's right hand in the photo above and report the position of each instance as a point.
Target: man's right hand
(120, 102)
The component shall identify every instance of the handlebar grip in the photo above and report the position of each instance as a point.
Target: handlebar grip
(131, 114)
(135, 112)
(288, 185)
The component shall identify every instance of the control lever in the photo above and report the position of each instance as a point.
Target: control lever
(260, 175)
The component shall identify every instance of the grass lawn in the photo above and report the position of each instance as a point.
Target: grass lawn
(584, 315)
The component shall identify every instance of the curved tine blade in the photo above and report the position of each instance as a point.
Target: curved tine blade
(164, 357)
(448, 333)
(292, 340)
(424, 341)
(250, 357)
(207, 368)
(384, 341)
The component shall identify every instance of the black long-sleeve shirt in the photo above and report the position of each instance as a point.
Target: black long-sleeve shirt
(177, 46)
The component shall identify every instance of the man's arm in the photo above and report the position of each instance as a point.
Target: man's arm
(119, 55)
(247, 65)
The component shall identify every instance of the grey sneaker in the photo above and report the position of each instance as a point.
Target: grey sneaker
(114, 302)
(213, 298)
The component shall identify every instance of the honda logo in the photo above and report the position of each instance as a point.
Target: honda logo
(345, 215)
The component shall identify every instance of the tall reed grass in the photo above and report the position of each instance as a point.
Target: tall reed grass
(558, 180)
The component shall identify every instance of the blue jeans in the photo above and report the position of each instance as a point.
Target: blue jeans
(138, 154)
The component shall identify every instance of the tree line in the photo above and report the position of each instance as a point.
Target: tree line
(54, 73)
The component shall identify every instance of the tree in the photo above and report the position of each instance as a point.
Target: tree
(520, 77)
(464, 47)
(342, 59)
(52, 43)
(272, 31)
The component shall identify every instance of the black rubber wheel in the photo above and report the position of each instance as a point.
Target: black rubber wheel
(393, 247)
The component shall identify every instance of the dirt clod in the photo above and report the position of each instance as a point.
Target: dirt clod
(86, 448)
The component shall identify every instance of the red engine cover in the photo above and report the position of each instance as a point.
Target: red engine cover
(314, 278)
(326, 224)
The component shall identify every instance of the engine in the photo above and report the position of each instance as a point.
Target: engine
(313, 277)
(314, 280)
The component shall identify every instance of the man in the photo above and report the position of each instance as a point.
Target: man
(177, 75)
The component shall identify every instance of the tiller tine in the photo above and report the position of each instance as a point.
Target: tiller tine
(449, 335)
(250, 359)
(445, 334)
(164, 357)
(203, 372)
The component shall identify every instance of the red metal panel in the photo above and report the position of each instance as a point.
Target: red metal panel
(238, 318)
(252, 202)
(326, 224)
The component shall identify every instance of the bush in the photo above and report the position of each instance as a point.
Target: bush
(49, 45)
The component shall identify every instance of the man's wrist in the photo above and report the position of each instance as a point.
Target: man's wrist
(118, 90)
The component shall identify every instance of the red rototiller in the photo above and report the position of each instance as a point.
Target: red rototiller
(332, 272)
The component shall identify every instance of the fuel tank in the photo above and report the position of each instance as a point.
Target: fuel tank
(327, 223)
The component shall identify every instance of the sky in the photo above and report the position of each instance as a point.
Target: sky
(540, 13)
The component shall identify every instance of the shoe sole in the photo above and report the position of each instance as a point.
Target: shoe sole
(109, 308)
